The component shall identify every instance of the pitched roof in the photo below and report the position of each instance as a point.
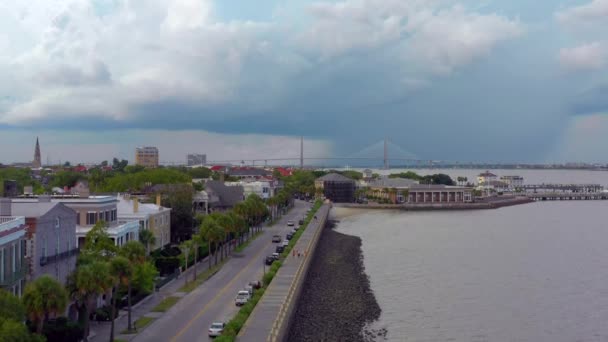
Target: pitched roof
(334, 177)
(487, 174)
(33, 209)
(228, 195)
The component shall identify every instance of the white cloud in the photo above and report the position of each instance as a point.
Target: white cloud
(591, 56)
(432, 38)
(594, 11)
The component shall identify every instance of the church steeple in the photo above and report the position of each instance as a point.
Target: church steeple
(37, 160)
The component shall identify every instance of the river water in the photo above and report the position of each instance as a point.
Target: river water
(534, 272)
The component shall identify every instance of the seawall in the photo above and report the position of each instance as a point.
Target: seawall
(272, 316)
(493, 203)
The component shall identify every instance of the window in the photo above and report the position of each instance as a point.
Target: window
(43, 254)
(57, 222)
(14, 249)
(91, 218)
(107, 216)
(78, 218)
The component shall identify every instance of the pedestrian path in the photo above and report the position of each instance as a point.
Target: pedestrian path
(270, 318)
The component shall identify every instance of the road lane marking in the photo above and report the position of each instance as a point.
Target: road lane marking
(206, 307)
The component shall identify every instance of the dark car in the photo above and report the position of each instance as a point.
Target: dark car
(277, 238)
(269, 260)
(289, 236)
(301, 222)
(256, 284)
(280, 249)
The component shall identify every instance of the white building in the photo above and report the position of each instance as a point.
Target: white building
(513, 182)
(196, 159)
(486, 177)
(263, 188)
(150, 216)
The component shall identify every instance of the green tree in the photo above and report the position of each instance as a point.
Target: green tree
(147, 238)
(211, 232)
(135, 252)
(187, 247)
(143, 276)
(98, 243)
(43, 297)
(121, 272)
(89, 281)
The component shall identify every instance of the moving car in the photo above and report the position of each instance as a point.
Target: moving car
(276, 238)
(216, 329)
(290, 223)
(242, 298)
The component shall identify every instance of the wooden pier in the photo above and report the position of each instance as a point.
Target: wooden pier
(566, 196)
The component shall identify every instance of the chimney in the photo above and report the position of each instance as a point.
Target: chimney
(158, 200)
(135, 204)
(5, 207)
(84, 192)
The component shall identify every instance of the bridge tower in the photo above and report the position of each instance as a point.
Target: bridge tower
(301, 152)
(386, 166)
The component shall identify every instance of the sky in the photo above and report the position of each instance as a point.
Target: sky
(486, 80)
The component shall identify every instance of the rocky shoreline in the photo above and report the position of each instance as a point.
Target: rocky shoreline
(337, 303)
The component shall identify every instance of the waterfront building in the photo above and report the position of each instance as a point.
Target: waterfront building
(149, 216)
(146, 156)
(431, 193)
(336, 187)
(51, 238)
(393, 189)
(13, 267)
(37, 162)
(513, 182)
(196, 159)
(486, 177)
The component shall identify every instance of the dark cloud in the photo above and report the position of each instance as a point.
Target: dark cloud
(592, 101)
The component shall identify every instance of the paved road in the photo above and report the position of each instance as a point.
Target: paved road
(213, 301)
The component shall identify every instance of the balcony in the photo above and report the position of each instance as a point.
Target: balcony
(10, 278)
(58, 257)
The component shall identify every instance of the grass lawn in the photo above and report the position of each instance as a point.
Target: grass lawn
(139, 325)
(201, 277)
(166, 304)
(246, 243)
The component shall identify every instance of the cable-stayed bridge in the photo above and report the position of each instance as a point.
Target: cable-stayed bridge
(383, 153)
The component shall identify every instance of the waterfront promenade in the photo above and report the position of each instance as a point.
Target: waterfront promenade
(270, 319)
(487, 203)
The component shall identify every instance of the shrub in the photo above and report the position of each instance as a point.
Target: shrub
(62, 330)
(167, 265)
(104, 313)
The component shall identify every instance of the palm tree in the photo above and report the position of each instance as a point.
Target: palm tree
(86, 283)
(121, 272)
(147, 238)
(211, 232)
(42, 297)
(135, 252)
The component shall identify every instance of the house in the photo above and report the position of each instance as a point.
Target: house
(284, 172)
(13, 267)
(487, 176)
(149, 216)
(200, 203)
(249, 172)
(264, 188)
(81, 187)
(51, 238)
(336, 187)
(222, 197)
(513, 182)
(219, 168)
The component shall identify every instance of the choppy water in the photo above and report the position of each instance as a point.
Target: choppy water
(536, 272)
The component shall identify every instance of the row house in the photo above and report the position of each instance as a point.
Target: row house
(13, 267)
(149, 216)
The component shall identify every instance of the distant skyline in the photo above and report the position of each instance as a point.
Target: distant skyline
(487, 80)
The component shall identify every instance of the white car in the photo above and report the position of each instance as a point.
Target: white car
(242, 298)
(216, 329)
(290, 223)
(285, 243)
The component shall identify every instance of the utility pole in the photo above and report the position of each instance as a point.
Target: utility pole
(301, 152)
(386, 166)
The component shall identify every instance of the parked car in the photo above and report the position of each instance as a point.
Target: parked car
(276, 238)
(285, 243)
(301, 222)
(249, 289)
(289, 236)
(216, 329)
(242, 298)
(276, 256)
(280, 249)
(290, 223)
(256, 284)
(269, 260)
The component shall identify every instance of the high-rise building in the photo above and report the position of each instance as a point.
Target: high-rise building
(37, 160)
(146, 156)
(197, 159)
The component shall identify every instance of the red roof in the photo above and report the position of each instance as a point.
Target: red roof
(284, 172)
(80, 168)
(218, 168)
